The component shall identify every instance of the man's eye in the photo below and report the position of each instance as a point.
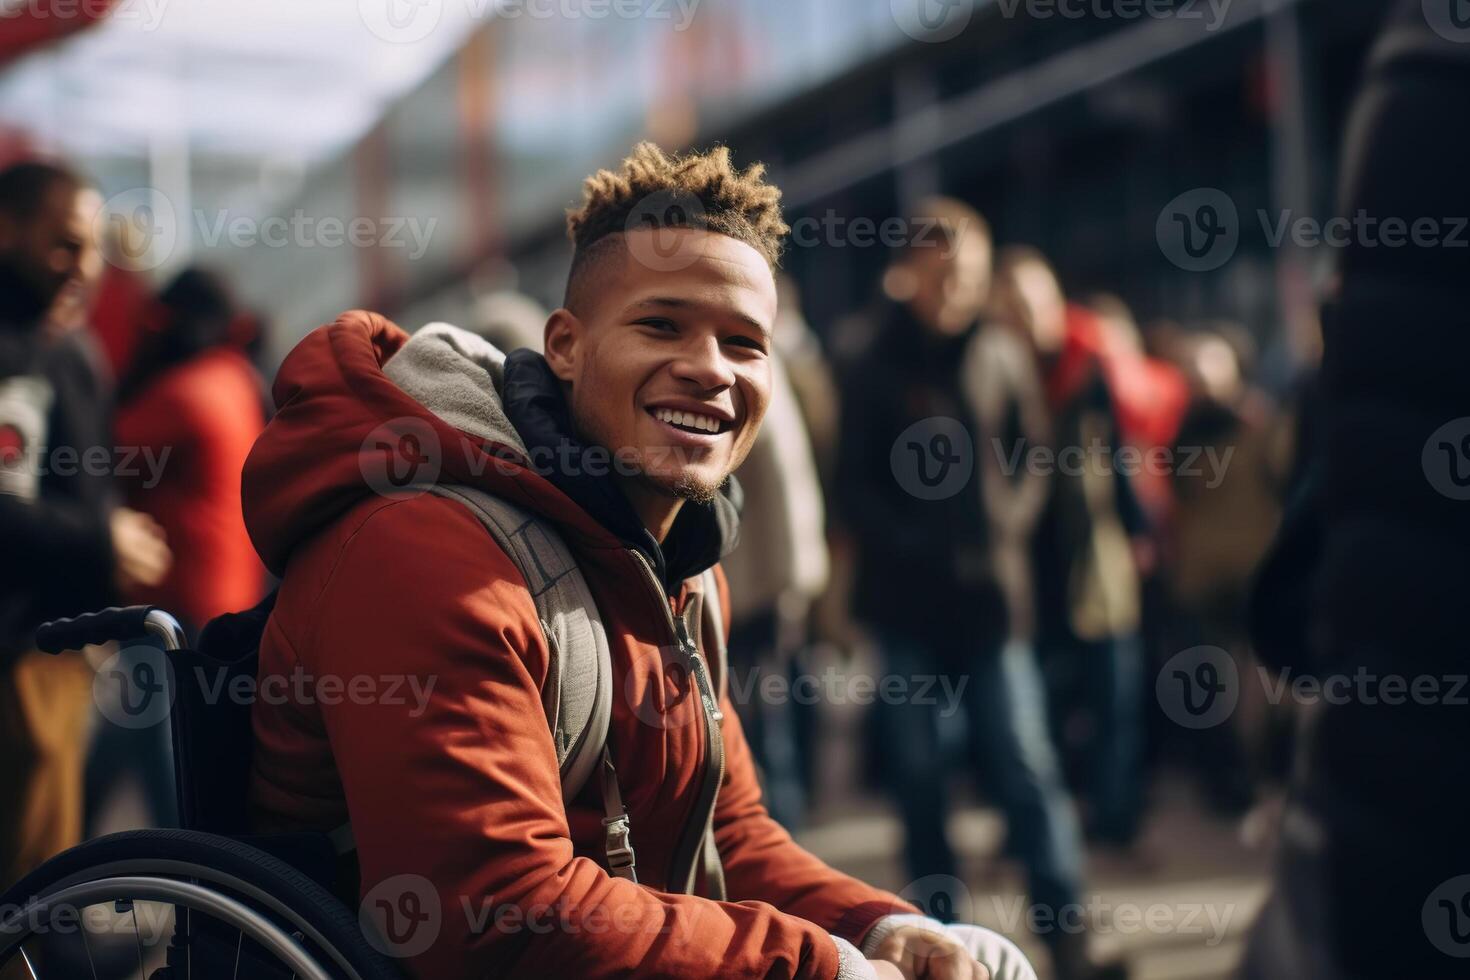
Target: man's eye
(750, 342)
(658, 323)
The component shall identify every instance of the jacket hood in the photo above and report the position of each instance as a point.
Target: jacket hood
(364, 409)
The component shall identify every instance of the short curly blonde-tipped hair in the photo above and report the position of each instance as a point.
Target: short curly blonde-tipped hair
(697, 190)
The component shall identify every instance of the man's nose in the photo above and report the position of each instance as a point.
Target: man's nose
(702, 362)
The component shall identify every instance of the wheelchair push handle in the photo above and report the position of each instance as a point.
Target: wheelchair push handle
(112, 623)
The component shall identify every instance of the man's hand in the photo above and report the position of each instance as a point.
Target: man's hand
(919, 954)
(140, 554)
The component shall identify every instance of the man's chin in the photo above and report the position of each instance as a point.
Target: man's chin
(686, 485)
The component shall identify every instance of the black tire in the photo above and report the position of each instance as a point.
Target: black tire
(265, 884)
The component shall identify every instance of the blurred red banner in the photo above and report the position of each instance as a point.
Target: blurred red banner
(28, 24)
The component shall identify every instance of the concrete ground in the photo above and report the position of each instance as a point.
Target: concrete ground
(1179, 913)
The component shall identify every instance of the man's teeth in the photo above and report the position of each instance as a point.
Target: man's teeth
(688, 420)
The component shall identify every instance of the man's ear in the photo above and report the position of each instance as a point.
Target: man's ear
(562, 340)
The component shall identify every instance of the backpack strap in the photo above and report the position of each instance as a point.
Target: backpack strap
(579, 687)
(578, 693)
(712, 630)
(712, 637)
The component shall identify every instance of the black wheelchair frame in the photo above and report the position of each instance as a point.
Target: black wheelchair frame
(241, 900)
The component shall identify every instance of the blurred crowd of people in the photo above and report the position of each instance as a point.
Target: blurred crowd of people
(1114, 489)
(125, 417)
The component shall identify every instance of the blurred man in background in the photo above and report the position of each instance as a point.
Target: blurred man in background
(944, 583)
(1223, 524)
(66, 549)
(1087, 562)
(777, 571)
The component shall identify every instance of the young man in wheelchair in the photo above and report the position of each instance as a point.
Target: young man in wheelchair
(620, 440)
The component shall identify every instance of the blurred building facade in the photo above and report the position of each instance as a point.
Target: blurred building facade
(1070, 124)
(1072, 134)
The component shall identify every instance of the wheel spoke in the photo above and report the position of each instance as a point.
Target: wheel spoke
(142, 968)
(30, 967)
(179, 899)
(88, 947)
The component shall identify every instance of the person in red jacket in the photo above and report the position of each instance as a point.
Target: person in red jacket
(188, 411)
(622, 437)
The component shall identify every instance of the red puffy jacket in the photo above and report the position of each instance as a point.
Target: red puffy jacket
(184, 438)
(454, 778)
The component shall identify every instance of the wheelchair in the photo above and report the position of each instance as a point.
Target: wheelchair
(206, 901)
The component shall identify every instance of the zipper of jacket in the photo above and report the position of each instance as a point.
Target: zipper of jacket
(690, 844)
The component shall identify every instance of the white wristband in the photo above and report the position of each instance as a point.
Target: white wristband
(989, 948)
(885, 926)
(851, 964)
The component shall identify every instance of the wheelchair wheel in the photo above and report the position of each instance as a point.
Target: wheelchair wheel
(179, 905)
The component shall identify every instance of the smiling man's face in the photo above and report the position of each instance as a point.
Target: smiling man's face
(670, 368)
